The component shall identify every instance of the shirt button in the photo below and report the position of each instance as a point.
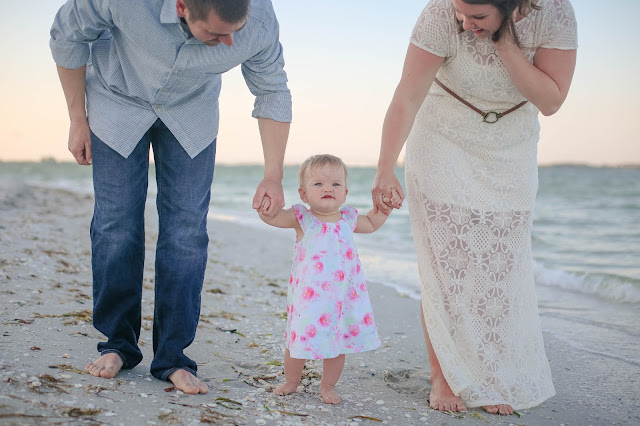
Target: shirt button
(176, 72)
(165, 90)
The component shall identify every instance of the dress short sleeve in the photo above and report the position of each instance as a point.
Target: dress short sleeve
(560, 29)
(304, 216)
(350, 215)
(434, 31)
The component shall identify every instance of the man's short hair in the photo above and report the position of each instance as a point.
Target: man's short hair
(230, 11)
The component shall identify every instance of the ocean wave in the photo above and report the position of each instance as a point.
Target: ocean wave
(606, 286)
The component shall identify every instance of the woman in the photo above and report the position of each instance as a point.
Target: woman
(471, 179)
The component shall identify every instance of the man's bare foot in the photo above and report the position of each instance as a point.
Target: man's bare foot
(107, 366)
(329, 395)
(442, 397)
(501, 409)
(187, 382)
(286, 388)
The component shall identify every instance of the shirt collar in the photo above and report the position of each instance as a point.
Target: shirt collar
(169, 15)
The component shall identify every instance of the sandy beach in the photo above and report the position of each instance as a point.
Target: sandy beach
(47, 340)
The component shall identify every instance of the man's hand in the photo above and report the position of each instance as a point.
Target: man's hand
(269, 198)
(80, 141)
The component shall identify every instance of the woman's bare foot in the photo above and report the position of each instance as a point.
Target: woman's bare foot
(187, 382)
(501, 409)
(442, 397)
(286, 388)
(107, 366)
(329, 395)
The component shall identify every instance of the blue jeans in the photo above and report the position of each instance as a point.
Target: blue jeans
(118, 238)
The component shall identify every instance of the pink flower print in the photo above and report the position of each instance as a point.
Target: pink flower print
(339, 275)
(290, 279)
(349, 254)
(311, 331)
(319, 266)
(303, 338)
(324, 320)
(308, 293)
(354, 330)
(363, 286)
(338, 308)
(368, 319)
(358, 268)
(352, 294)
(293, 336)
(324, 228)
(326, 286)
(303, 253)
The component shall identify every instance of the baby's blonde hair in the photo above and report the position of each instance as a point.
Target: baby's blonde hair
(320, 160)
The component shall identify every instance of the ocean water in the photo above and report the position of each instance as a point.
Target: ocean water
(586, 241)
(586, 234)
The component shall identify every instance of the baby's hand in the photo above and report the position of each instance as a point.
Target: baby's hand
(395, 201)
(265, 205)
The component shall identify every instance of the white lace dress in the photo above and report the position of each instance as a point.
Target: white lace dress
(471, 188)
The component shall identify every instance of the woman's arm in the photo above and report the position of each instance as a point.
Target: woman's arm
(546, 82)
(420, 68)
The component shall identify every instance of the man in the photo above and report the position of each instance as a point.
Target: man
(150, 71)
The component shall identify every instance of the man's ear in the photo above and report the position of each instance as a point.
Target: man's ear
(303, 194)
(181, 8)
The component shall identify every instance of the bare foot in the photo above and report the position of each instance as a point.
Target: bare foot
(286, 388)
(329, 395)
(187, 382)
(501, 409)
(442, 397)
(107, 366)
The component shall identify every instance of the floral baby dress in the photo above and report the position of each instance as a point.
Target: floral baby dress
(328, 307)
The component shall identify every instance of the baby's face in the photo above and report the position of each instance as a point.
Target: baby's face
(325, 188)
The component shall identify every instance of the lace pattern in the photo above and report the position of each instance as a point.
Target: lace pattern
(471, 189)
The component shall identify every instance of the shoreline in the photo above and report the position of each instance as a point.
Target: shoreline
(45, 311)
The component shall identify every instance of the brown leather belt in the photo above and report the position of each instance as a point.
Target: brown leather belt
(487, 117)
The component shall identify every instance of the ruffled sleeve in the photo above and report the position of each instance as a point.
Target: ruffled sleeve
(303, 215)
(350, 215)
(434, 31)
(560, 29)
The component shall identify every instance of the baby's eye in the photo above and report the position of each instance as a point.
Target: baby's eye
(336, 184)
(317, 184)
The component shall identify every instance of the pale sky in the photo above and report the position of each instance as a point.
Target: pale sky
(343, 59)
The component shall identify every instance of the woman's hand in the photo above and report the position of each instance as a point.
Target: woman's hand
(386, 193)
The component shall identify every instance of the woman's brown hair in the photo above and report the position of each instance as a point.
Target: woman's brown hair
(506, 8)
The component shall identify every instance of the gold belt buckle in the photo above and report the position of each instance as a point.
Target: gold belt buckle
(491, 117)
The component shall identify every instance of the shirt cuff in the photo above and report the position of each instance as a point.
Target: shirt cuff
(275, 106)
(70, 55)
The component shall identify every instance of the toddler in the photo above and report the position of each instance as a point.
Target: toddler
(328, 309)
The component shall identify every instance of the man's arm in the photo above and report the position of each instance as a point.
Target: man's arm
(73, 85)
(274, 135)
(265, 76)
(76, 24)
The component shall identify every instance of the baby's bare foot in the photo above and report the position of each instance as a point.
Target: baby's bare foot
(187, 382)
(286, 388)
(329, 395)
(501, 409)
(107, 366)
(442, 397)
